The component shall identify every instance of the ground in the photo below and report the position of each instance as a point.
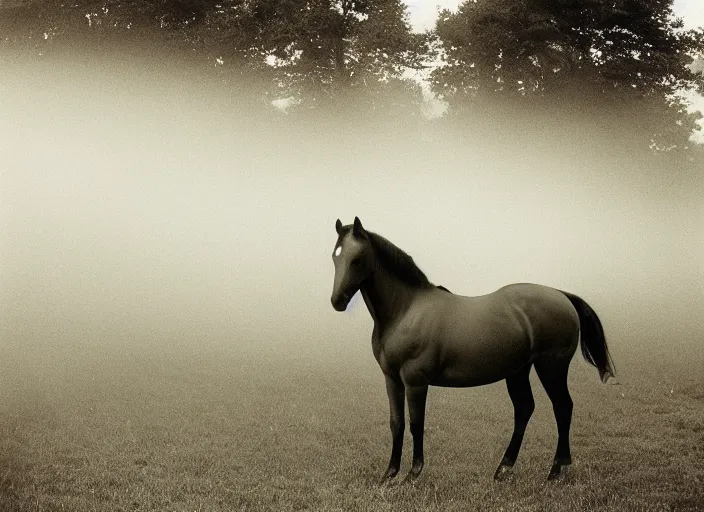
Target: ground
(245, 429)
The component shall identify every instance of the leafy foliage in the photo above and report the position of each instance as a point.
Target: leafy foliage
(624, 60)
(614, 64)
(323, 50)
(313, 50)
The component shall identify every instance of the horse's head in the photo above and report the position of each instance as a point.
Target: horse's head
(353, 257)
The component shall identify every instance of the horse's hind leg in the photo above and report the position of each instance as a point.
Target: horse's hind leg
(523, 405)
(553, 376)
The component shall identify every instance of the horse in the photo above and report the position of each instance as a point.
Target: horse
(424, 335)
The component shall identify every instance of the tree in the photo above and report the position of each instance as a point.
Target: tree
(614, 62)
(313, 52)
(51, 21)
(322, 51)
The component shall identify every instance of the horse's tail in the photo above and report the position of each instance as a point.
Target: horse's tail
(592, 339)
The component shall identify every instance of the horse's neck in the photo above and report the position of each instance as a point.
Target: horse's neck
(387, 297)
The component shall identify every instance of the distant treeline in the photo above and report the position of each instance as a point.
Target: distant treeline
(617, 65)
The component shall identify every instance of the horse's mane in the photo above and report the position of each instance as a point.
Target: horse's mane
(397, 261)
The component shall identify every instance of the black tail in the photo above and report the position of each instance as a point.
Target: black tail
(592, 338)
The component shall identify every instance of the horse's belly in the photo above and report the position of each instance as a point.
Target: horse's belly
(482, 363)
(484, 352)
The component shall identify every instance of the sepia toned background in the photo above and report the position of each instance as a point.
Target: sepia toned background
(166, 335)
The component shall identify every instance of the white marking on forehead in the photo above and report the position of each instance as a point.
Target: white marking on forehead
(338, 250)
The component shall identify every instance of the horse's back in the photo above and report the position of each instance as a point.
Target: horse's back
(549, 317)
(485, 338)
(541, 303)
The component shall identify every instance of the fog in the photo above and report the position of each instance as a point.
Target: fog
(137, 214)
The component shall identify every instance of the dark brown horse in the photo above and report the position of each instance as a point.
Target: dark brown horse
(426, 336)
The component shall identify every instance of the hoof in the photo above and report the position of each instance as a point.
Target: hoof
(389, 475)
(559, 470)
(413, 474)
(503, 473)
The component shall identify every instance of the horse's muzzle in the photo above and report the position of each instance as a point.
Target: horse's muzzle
(340, 304)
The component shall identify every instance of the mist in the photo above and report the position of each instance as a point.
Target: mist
(139, 216)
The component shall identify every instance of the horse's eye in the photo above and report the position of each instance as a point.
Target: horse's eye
(356, 261)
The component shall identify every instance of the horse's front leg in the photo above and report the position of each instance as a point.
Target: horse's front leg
(396, 392)
(416, 410)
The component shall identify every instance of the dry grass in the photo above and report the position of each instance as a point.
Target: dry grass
(234, 431)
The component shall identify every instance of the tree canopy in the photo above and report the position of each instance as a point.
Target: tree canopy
(309, 52)
(612, 63)
(322, 50)
(605, 60)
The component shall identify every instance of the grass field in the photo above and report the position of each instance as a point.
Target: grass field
(246, 429)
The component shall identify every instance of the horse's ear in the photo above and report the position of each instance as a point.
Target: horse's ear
(338, 226)
(357, 228)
